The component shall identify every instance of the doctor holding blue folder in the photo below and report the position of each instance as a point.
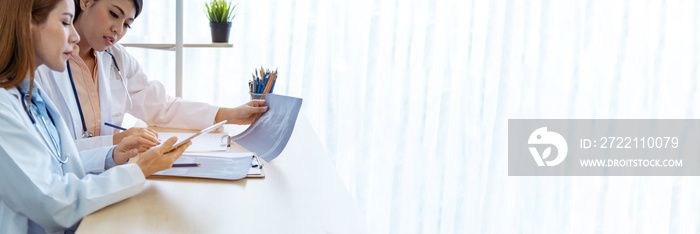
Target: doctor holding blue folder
(103, 82)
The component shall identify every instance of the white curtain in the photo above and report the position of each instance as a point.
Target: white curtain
(411, 99)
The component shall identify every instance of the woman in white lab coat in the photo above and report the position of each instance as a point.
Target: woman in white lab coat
(123, 87)
(44, 182)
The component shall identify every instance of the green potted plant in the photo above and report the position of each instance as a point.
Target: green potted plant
(220, 14)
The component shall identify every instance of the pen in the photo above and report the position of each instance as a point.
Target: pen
(186, 165)
(115, 126)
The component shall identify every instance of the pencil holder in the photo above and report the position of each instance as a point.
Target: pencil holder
(262, 82)
(257, 96)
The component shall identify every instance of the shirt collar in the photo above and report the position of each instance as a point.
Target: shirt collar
(36, 95)
(76, 53)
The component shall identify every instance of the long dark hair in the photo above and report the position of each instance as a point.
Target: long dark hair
(138, 4)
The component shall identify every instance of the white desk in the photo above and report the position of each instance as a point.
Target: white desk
(301, 193)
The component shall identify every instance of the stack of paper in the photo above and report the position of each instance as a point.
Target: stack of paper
(225, 166)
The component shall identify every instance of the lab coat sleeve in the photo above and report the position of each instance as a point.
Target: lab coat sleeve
(109, 161)
(93, 142)
(53, 200)
(154, 106)
(94, 160)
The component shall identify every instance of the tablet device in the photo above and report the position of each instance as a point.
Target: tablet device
(204, 131)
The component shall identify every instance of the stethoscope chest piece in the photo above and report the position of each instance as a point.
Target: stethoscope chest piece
(87, 134)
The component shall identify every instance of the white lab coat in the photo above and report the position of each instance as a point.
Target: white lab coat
(150, 102)
(37, 193)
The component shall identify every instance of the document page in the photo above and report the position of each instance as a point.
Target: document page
(224, 168)
(255, 171)
(211, 142)
(269, 134)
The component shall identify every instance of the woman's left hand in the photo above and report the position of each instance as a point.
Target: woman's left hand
(128, 148)
(149, 135)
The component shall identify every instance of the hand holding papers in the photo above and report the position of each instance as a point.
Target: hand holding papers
(268, 136)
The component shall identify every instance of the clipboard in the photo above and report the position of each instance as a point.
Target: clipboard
(256, 163)
(217, 167)
(256, 171)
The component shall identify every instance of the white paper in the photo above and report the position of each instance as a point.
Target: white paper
(253, 172)
(211, 142)
(269, 134)
(211, 167)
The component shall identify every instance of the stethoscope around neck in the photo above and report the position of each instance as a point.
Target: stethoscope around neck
(86, 133)
(53, 143)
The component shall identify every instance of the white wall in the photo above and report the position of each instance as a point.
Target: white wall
(411, 99)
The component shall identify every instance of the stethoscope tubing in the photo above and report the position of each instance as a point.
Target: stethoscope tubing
(56, 150)
(86, 133)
